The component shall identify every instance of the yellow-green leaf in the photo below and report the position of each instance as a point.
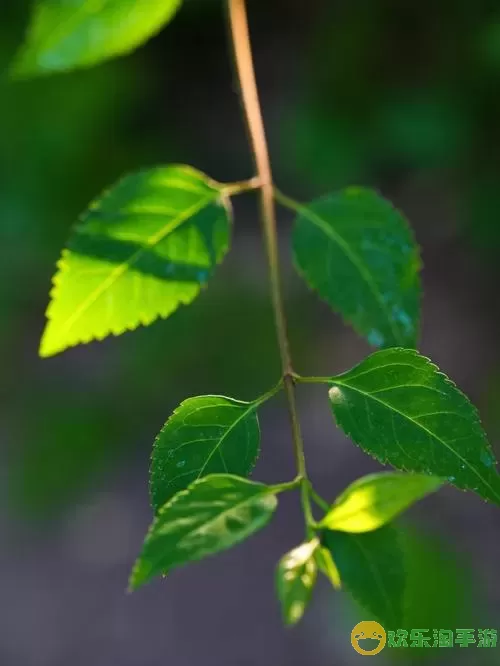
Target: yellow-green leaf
(374, 500)
(327, 566)
(66, 34)
(144, 248)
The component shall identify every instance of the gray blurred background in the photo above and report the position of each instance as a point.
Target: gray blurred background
(404, 97)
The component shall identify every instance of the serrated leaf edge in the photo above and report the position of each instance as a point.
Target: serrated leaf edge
(142, 319)
(302, 209)
(377, 579)
(449, 382)
(267, 490)
(252, 406)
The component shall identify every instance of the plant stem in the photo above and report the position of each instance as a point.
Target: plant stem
(251, 105)
(286, 201)
(284, 487)
(231, 189)
(319, 500)
(269, 394)
(314, 380)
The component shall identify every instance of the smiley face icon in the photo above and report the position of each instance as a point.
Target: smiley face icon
(368, 638)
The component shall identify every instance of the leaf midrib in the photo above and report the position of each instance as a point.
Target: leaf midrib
(52, 40)
(419, 425)
(356, 261)
(247, 500)
(376, 576)
(247, 411)
(55, 37)
(261, 494)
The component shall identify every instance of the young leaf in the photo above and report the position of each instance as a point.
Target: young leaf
(374, 500)
(144, 248)
(213, 514)
(359, 254)
(327, 566)
(205, 435)
(399, 408)
(295, 579)
(63, 35)
(372, 569)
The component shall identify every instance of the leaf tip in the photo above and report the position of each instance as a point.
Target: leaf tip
(49, 344)
(294, 615)
(139, 576)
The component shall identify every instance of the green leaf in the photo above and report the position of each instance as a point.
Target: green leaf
(359, 254)
(145, 247)
(67, 34)
(372, 569)
(441, 589)
(213, 514)
(402, 410)
(205, 435)
(295, 579)
(327, 566)
(374, 500)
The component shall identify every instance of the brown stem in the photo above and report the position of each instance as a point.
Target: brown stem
(251, 105)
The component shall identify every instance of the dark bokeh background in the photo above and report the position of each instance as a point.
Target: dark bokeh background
(403, 96)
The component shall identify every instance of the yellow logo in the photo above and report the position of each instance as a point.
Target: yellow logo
(368, 638)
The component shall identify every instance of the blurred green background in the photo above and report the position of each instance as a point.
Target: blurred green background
(404, 97)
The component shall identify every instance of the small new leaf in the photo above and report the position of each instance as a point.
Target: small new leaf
(327, 566)
(212, 515)
(65, 35)
(144, 248)
(205, 435)
(372, 570)
(359, 254)
(402, 410)
(376, 499)
(295, 579)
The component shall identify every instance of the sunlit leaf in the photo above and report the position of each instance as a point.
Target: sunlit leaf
(372, 569)
(65, 34)
(295, 579)
(402, 410)
(205, 435)
(359, 254)
(374, 500)
(145, 247)
(213, 514)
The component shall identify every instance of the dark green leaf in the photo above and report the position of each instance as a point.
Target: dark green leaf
(146, 247)
(374, 500)
(205, 435)
(295, 579)
(64, 35)
(358, 253)
(372, 569)
(213, 514)
(399, 408)
(441, 589)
